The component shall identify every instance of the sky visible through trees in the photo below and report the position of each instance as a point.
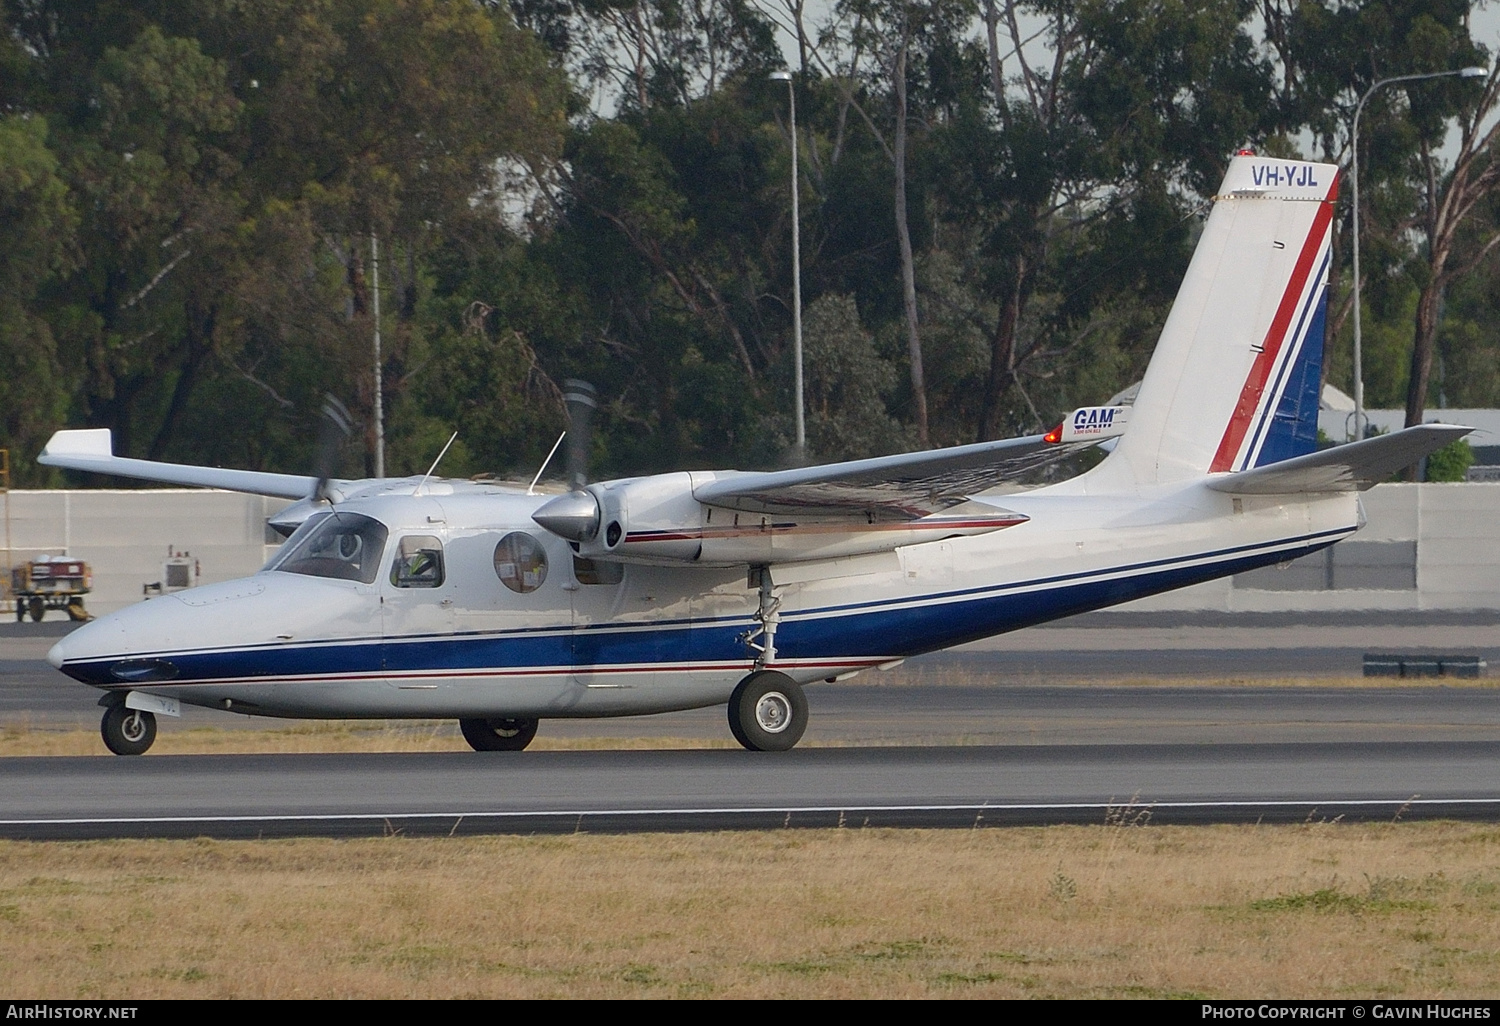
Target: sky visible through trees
(991, 234)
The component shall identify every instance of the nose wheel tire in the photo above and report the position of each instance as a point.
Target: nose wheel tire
(127, 731)
(498, 735)
(768, 712)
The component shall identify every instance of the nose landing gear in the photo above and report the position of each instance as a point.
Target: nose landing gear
(127, 731)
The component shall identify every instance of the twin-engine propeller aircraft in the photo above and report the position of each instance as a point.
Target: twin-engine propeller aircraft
(498, 607)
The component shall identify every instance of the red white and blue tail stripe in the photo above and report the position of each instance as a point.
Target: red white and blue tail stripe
(1276, 416)
(1235, 379)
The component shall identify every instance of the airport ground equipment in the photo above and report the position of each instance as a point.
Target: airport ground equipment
(51, 582)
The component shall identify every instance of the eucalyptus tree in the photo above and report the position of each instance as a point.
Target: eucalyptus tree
(1074, 175)
(1416, 185)
(226, 161)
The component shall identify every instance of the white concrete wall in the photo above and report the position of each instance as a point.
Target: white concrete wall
(1338, 424)
(1457, 531)
(124, 535)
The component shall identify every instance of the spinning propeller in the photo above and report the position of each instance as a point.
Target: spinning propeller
(575, 516)
(336, 426)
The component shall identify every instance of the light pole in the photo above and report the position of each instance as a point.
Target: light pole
(1359, 370)
(379, 384)
(786, 76)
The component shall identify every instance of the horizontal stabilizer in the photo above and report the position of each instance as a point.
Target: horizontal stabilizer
(93, 450)
(1344, 468)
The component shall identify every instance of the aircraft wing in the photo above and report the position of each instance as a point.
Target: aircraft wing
(889, 488)
(93, 450)
(1344, 468)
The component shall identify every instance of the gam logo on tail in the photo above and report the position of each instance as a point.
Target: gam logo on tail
(1095, 422)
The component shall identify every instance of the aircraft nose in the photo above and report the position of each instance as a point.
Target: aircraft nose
(86, 642)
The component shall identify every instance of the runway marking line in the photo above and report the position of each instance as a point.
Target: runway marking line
(1330, 803)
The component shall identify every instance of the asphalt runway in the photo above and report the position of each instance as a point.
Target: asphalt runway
(1045, 726)
(550, 792)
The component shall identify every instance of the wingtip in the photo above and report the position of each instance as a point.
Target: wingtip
(93, 443)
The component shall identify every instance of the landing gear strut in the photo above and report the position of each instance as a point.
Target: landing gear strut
(127, 731)
(768, 712)
(498, 735)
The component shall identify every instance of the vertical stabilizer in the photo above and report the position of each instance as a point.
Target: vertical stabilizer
(1235, 378)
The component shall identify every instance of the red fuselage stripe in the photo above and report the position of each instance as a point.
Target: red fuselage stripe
(1260, 371)
(752, 530)
(862, 662)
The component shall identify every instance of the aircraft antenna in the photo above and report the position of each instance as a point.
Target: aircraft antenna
(531, 488)
(418, 489)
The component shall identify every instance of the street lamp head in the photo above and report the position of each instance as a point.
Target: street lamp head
(1475, 72)
(786, 76)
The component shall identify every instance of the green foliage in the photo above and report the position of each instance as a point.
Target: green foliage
(1451, 462)
(37, 222)
(846, 385)
(568, 188)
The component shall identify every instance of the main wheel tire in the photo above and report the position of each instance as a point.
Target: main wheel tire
(127, 731)
(498, 735)
(768, 712)
(38, 609)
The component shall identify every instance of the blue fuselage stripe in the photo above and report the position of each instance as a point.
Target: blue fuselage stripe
(856, 632)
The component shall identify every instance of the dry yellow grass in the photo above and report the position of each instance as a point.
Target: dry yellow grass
(1319, 910)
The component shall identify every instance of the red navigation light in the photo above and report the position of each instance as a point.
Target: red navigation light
(1244, 152)
(1055, 435)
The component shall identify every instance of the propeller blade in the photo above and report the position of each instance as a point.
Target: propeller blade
(336, 426)
(581, 399)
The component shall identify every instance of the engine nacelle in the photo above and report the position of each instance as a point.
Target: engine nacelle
(657, 521)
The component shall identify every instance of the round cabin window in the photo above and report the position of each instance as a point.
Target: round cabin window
(520, 562)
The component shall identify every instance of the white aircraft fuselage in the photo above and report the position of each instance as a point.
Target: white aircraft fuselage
(661, 638)
(675, 591)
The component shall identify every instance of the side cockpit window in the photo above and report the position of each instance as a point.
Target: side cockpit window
(419, 562)
(344, 546)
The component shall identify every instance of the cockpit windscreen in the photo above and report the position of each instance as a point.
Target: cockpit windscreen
(345, 546)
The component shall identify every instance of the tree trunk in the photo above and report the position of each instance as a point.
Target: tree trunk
(1332, 321)
(1002, 356)
(1428, 304)
(197, 344)
(992, 40)
(908, 268)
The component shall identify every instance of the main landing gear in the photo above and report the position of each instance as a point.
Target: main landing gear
(768, 712)
(498, 735)
(127, 731)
